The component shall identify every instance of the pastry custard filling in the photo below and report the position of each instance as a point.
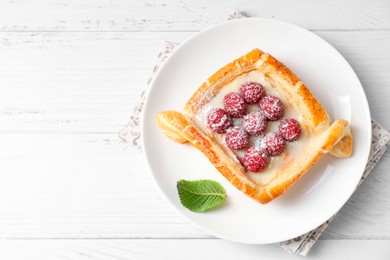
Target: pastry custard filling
(263, 148)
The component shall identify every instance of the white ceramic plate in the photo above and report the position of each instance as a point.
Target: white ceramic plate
(321, 192)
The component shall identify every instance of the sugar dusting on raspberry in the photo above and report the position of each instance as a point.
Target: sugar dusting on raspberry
(272, 107)
(273, 143)
(234, 104)
(236, 138)
(243, 117)
(289, 129)
(254, 123)
(255, 159)
(252, 92)
(218, 120)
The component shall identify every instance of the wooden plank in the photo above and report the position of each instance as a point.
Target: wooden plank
(69, 74)
(185, 249)
(96, 186)
(63, 99)
(74, 82)
(81, 185)
(88, 82)
(148, 15)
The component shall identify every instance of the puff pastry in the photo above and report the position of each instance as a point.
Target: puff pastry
(319, 135)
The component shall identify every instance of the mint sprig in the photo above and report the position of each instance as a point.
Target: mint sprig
(200, 195)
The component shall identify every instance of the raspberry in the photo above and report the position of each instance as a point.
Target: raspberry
(255, 159)
(289, 129)
(219, 120)
(272, 107)
(273, 143)
(234, 104)
(252, 92)
(254, 123)
(236, 138)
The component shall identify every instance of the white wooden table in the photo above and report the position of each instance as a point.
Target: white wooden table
(70, 72)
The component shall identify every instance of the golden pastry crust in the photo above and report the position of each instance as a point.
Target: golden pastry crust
(334, 138)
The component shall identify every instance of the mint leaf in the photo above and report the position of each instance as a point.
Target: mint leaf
(200, 195)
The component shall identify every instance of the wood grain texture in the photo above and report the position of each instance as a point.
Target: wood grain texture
(55, 82)
(95, 186)
(61, 106)
(140, 249)
(146, 15)
(70, 72)
(81, 186)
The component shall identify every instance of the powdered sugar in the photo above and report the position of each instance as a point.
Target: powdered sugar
(255, 159)
(254, 123)
(272, 107)
(236, 138)
(289, 129)
(218, 120)
(274, 162)
(234, 104)
(252, 92)
(273, 143)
